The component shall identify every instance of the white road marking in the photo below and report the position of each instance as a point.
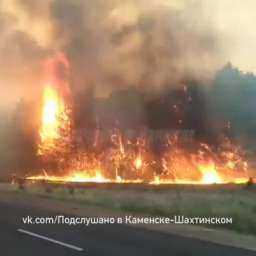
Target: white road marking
(50, 240)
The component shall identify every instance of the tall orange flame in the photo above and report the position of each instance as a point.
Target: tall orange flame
(55, 120)
(125, 160)
(53, 116)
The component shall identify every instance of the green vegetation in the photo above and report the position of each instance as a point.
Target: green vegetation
(236, 202)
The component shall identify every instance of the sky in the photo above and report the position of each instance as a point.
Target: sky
(234, 22)
(119, 43)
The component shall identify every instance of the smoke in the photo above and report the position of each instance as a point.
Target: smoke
(109, 44)
(20, 53)
(146, 44)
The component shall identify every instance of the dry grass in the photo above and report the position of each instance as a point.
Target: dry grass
(236, 202)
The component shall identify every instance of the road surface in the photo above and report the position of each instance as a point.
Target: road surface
(19, 239)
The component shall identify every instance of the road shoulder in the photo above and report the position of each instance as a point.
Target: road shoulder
(222, 237)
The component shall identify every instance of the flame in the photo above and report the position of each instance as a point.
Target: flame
(55, 125)
(138, 163)
(51, 109)
(120, 163)
(54, 118)
(124, 160)
(81, 177)
(118, 168)
(75, 176)
(210, 175)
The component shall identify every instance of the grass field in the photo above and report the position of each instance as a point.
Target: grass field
(238, 202)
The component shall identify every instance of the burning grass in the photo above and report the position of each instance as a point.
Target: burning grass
(131, 161)
(114, 157)
(118, 158)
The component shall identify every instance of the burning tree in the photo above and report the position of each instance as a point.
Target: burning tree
(55, 135)
(121, 157)
(55, 131)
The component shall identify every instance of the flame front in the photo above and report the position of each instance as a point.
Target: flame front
(121, 163)
(209, 174)
(75, 176)
(126, 160)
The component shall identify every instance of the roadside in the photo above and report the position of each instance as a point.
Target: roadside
(230, 201)
(52, 203)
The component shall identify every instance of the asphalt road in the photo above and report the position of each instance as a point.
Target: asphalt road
(100, 240)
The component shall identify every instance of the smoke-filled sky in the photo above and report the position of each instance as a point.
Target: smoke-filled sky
(118, 43)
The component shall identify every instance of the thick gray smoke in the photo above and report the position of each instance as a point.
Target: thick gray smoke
(109, 44)
(112, 44)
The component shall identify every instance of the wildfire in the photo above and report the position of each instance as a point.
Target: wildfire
(138, 163)
(75, 176)
(55, 126)
(120, 162)
(122, 165)
(51, 111)
(210, 175)
(127, 160)
(54, 119)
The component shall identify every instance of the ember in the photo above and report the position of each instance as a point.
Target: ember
(121, 159)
